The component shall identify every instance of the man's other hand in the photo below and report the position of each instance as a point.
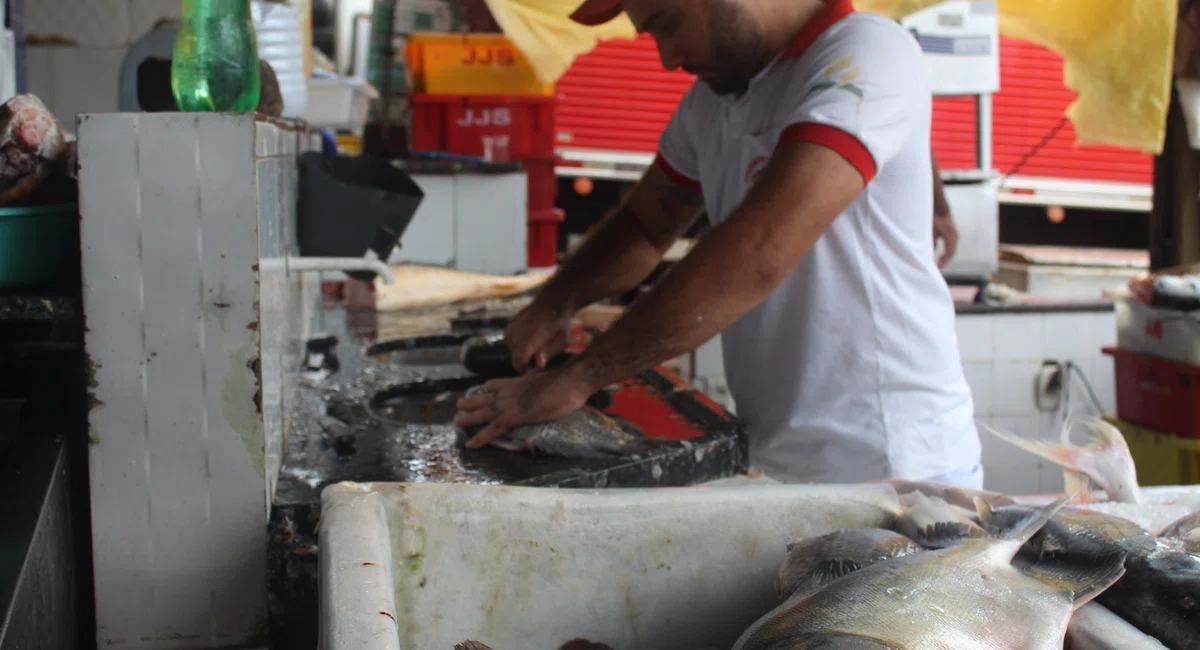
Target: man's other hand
(945, 232)
(536, 335)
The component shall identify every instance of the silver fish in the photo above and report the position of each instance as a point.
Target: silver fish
(814, 562)
(1098, 456)
(933, 523)
(956, 496)
(967, 597)
(585, 433)
(1184, 533)
(1160, 590)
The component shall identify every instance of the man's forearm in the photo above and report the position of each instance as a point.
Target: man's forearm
(706, 292)
(612, 260)
(730, 270)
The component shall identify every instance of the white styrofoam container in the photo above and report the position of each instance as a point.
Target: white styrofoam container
(418, 566)
(340, 103)
(1159, 332)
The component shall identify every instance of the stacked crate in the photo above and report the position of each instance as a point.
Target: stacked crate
(1157, 376)
(393, 23)
(476, 95)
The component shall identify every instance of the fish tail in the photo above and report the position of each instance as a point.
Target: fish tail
(470, 645)
(1027, 529)
(1040, 449)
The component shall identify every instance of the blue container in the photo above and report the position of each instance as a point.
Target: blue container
(39, 245)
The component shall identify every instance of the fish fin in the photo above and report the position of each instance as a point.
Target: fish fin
(982, 509)
(1084, 581)
(1025, 530)
(1077, 486)
(1039, 449)
(471, 645)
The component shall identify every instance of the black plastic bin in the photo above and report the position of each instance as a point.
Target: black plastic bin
(349, 205)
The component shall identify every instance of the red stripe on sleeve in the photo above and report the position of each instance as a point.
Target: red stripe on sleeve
(845, 144)
(675, 175)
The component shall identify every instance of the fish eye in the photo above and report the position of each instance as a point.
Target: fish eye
(1188, 603)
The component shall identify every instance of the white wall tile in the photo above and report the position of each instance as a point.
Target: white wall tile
(1018, 337)
(87, 22)
(1069, 336)
(975, 337)
(1006, 468)
(1012, 387)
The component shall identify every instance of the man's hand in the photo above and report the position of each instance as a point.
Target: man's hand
(509, 403)
(945, 232)
(537, 333)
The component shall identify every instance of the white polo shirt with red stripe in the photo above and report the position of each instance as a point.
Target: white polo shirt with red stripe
(850, 370)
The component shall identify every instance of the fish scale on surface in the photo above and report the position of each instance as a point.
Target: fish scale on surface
(934, 601)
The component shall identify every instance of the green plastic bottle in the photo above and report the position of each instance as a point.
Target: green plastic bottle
(215, 64)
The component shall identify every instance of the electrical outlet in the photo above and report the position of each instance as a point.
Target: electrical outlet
(1048, 386)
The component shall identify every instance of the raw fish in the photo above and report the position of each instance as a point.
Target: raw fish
(955, 496)
(1184, 533)
(1160, 591)
(968, 597)
(815, 562)
(1095, 627)
(933, 523)
(586, 433)
(426, 286)
(1101, 456)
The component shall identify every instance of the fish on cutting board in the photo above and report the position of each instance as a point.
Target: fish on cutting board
(585, 433)
(815, 562)
(967, 597)
(428, 286)
(1184, 533)
(1098, 454)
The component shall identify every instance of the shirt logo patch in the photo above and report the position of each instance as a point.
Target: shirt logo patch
(754, 170)
(840, 75)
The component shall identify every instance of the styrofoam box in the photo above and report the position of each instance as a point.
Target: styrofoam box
(1165, 333)
(338, 102)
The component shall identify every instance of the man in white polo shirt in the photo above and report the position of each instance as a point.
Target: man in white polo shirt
(806, 139)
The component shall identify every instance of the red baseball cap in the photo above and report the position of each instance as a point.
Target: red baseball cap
(596, 12)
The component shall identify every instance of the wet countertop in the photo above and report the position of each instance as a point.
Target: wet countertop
(368, 409)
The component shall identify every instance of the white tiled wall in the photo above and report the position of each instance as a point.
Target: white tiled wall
(1001, 357)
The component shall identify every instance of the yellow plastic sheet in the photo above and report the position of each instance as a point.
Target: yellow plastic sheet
(549, 39)
(1117, 56)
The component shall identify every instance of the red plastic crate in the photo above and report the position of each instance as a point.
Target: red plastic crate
(543, 183)
(458, 124)
(1157, 393)
(543, 237)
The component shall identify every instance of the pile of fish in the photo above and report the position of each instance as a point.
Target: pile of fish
(973, 570)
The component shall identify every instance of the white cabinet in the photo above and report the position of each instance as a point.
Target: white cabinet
(471, 222)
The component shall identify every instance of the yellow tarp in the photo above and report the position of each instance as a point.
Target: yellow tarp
(549, 39)
(1117, 53)
(1117, 56)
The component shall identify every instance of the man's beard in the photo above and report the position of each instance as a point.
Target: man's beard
(738, 49)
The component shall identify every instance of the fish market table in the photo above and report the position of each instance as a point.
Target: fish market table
(376, 404)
